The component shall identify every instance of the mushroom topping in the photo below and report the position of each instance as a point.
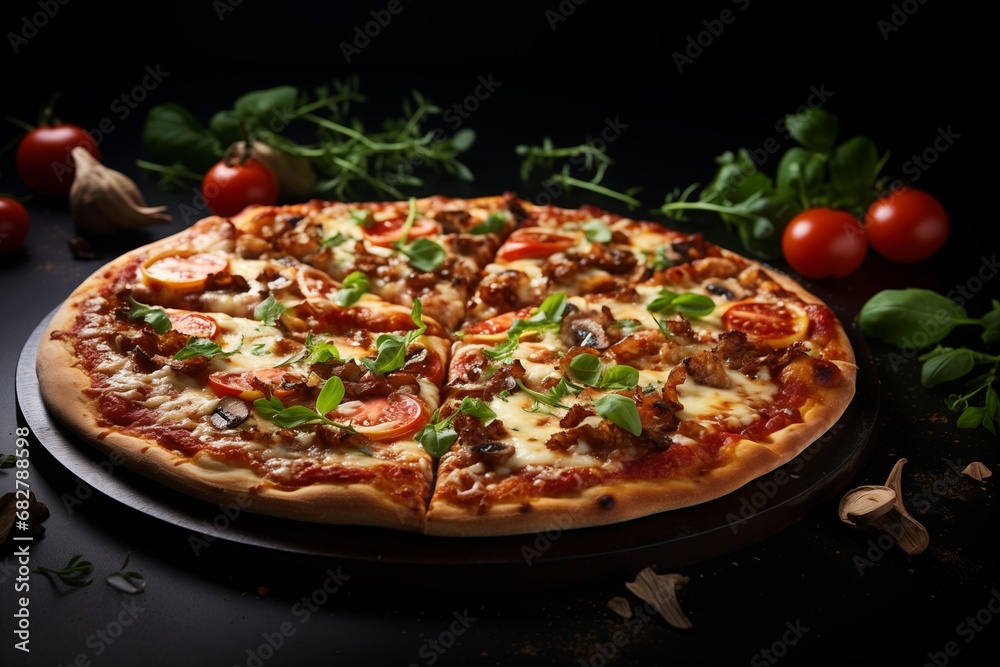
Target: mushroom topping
(660, 591)
(494, 453)
(880, 507)
(586, 329)
(229, 413)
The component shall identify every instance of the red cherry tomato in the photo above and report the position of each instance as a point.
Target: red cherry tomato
(387, 232)
(248, 384)
(824, 243)
(230, 188)
(193, 324)
(14, 225)
(533, 243)
(384, 417)
(499, 323)
(43, 158)
(778, 323)
(906, 225)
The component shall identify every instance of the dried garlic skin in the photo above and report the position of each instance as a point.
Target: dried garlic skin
(103, 201)
(880, 507)
(660, 591)
(977, 471)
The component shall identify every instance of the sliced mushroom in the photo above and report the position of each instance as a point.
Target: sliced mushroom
(660, 590)
(880, 507)
(584, 328)
(494, 453)
(229, 413)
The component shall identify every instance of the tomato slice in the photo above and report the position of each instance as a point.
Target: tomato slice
(387, 232)
(193, 324)
(426, 363)
(779, 324)
(384, 417)
(498, 324)
(183, 271)
(533, 243)
(240, 383)
(313, 282)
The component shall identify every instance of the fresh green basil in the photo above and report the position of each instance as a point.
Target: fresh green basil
(152, 315)
(269, 310)
(494, 224)
(586, 368)
(391, 355)
(296, 415)
(910, 317)
(205, 347)
(597, 232)
(354, 285)
(439, 435)
(692, 305)
(424, 254)
(621, 410)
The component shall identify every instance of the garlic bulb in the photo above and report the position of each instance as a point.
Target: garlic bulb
(103, 200)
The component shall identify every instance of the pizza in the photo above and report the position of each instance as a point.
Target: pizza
(449, 366)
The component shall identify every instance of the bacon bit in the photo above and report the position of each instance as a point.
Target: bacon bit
(620, 606)
(660, 590)
(977, 471)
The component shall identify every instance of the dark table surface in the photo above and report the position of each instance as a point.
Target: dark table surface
(801, 587)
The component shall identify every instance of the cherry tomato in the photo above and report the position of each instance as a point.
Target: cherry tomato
(43, 157)
(230, 188)
(533, 243)
(183, 272)
(387, 232)
(14, 225)
(193, 324)
(906, 225)
(426, 363)
(499, 323)
(824, 243)
(384, 417)
(779, 324)
(245, 384)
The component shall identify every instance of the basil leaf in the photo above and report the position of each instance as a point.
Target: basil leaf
(334, 241)
(203, 347)
(621, 411)
(586, 368)
(320, 352)
(269, 310)
(362, 217)
(502, 351)
(153, 316)
(354, 285)
(816, 129)
(971, 417)
(853, 165)
(330, 395)
(392, 349)
(494, 224)
(477, 408)
(289, 417)
(424, 254)
(620, 377)
(897, 316)
(173, 135)
(551, 398)
(694, 305)
(597, 232)
(437, 439)
(549, 312)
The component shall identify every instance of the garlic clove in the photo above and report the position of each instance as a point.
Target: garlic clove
(103, 200)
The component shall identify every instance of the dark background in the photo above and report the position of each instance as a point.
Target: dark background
(563, 79)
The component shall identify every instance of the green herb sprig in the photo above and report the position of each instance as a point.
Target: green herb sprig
(586, 157)
(586, 368)
(154, 316)
(818, 171)
(76, 573)
(548, 315)
(391, 349)
(205, 347)
(688, 303)
(439, 435)
(914, 319)
(296, 415)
